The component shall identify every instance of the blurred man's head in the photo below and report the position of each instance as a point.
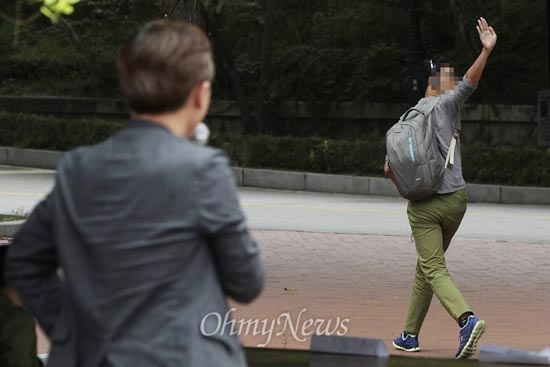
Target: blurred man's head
(440, 76)
(167, 67)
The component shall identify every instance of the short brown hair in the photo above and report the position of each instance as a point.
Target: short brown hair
(160, 66)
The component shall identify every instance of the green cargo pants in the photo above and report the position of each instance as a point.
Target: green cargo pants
(434, 222)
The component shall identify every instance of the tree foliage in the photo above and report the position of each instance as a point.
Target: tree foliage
(53, 9)
(322, 51)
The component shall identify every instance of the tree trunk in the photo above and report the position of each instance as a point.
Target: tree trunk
(265, 82)
(464, 35)
(415, 54)
(17, 27)
(66, 28)
(548, 40)
(227, 58)
(188, 10)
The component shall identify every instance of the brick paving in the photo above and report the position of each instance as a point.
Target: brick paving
(367, 279)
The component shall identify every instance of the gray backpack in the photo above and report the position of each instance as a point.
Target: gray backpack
(413, 152)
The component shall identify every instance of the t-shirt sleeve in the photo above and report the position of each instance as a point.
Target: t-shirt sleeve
(458, 96)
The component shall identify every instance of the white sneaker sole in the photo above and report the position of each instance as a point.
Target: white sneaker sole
(471, 346)
(405, 349)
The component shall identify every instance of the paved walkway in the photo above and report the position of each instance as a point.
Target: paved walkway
(367, 280)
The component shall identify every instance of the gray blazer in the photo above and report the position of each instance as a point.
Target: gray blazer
(148, 233)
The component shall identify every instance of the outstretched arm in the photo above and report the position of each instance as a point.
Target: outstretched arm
(488, 38)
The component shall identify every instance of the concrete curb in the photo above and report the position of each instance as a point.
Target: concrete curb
(313, 182)
(9, 229)
(29, 157)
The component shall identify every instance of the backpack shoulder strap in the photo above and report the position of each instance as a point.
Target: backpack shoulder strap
(450, 159)
(429, 106)
(425, 108)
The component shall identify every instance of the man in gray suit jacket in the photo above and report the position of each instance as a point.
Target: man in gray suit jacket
(142, 235)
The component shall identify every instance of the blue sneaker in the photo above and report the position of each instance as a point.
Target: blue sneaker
(469, 335)
(406, 342)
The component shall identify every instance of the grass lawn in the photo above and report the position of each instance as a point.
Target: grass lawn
(10, 217)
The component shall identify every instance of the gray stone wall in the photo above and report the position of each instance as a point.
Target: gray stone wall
(513, 125)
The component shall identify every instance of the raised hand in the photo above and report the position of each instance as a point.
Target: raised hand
(487, 34)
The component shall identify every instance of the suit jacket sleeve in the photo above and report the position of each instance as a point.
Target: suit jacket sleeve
(31, 266)
(222, 221)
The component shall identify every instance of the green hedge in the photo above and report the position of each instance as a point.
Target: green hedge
(53, 132)
(514, 166)
(311, 154)
(485, 165)
(488, 165)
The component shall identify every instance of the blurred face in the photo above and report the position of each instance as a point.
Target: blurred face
(445, 80)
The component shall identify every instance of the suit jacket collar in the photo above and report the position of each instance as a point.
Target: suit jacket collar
(146, 124)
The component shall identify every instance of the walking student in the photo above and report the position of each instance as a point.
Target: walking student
(145, 226)
(435, 220)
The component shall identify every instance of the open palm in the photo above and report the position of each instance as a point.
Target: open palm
(487, 34)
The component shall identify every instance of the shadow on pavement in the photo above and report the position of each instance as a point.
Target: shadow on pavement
(260, 357)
